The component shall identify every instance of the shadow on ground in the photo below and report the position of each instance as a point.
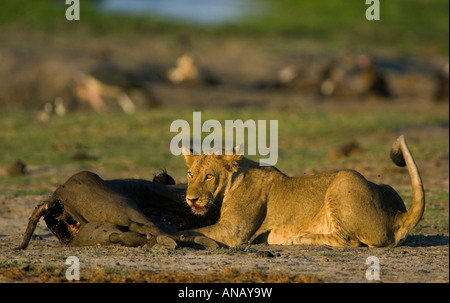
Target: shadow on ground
(426, 241)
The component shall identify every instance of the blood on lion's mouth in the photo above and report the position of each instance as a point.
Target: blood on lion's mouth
(199, 210)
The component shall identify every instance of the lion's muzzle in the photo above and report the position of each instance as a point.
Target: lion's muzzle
(197, 205)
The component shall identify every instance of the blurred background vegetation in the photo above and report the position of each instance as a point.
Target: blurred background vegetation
(409, 26)
(40, 51)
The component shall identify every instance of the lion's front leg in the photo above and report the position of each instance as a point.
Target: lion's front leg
(218, 232)
(235, 226)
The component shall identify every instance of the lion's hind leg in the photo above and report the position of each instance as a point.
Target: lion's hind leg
(324, 229)
(331, 239)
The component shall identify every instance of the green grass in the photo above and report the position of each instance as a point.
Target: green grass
(407, 26)
(436, 215)
(14, 263)
(107, 137)
(235, 249)
(164, 253)
(121, 143)
(26, 192)
(335, 254)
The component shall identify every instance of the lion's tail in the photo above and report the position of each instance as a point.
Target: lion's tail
(406, 221)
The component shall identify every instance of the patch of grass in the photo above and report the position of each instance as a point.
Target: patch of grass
(26, 192)
(405, 25)
(164, 253)
(235, 249)
(408, 26)
(59, 257)
(115, 271)
(89, 250)
(14, 263)
(437, 210)
(335, 255)
(436, 216)
(262, 270)
(139, 144)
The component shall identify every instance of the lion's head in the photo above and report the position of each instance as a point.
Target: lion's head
(208, 177)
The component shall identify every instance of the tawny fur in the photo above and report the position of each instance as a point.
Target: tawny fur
(261, 204)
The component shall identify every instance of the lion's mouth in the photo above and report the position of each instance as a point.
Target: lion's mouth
(199, 209)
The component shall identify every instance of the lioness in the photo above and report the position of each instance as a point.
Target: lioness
(261, 204)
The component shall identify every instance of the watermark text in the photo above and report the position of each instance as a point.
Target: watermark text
(73, 11)
(73, 272)
(373, 272)
(257, 142)
(373, 11)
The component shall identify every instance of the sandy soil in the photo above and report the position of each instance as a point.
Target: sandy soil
(424, 258)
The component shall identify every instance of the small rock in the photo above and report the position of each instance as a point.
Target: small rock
(16, 168)
(265, 254)
(82, 156)
(25, 267)
(347, 149)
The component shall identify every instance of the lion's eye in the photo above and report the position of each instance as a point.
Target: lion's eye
(209, 177)
(189, 174)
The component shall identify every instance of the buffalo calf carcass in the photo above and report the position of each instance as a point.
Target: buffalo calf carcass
(87, 210)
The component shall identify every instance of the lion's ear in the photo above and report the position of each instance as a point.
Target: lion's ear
(237, 150)
(232, 161)
(188, 156)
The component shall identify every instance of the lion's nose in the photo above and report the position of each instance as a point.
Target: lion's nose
(192, 200)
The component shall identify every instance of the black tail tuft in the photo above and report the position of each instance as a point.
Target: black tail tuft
(396, 153)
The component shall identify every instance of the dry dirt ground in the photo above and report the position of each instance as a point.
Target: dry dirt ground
(424, 258)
